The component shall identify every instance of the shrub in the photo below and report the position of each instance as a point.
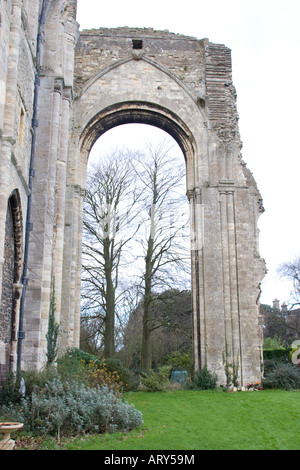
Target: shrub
(72, 408)
(82, 394)
(98, 375)
(75, 357)
(231, 368)
(72, 365)
(205, 380)
(179, 361)
(10, 387)
(39, 378)
(53, 330)
(156, 381)
(77, 362)
(129, 381)
(273, 343)
(282, 376)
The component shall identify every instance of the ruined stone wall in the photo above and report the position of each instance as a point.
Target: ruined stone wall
(183, 85)
(18, 28)
(19, 23)
(178, 83)
(49, 186)
(181, 55)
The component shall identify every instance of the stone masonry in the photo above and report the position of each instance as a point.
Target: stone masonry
(89, 83)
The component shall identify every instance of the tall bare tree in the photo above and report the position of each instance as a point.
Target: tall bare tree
(289, 316)
(291, 271)
(164, 245)
(107, 228)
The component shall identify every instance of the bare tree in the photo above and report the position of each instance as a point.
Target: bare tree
(164, 244)
(289, 316)
(107, 228)
(291, 271)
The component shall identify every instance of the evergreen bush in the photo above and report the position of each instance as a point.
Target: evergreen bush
(72, 408)
(281, 375)
(205, 380)
(156, 381)
(77, 356)
(80, 395)
(53, 330)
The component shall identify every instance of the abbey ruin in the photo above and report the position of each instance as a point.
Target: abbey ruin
(60, 90)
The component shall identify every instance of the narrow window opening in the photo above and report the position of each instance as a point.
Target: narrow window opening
(22, 127)
(137, 44)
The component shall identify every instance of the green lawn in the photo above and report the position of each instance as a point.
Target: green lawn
(191, 420)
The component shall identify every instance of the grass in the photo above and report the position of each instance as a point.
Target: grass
(210, 420)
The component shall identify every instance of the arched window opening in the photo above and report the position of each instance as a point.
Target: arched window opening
(148, 218)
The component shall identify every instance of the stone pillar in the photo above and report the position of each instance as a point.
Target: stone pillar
(49, 197)
(77, 307)
(197, 242)
(58, 241)
(49, 186)
(230, 281)
(70, 308)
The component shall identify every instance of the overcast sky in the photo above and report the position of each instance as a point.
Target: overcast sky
(265, 42)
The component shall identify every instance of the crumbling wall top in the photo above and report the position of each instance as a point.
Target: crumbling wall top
(127, 31)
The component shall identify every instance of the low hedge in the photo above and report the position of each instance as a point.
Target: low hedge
(276, 353)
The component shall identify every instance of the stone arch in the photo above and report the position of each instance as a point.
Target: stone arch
(134, 112)
(119, 113)
(184, 86)
(138, 88)
(11, 289)
(95, 110)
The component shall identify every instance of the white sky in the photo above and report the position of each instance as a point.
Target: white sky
(265, 42)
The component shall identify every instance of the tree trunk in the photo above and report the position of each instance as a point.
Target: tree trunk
(109, 333)
(146, 353)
